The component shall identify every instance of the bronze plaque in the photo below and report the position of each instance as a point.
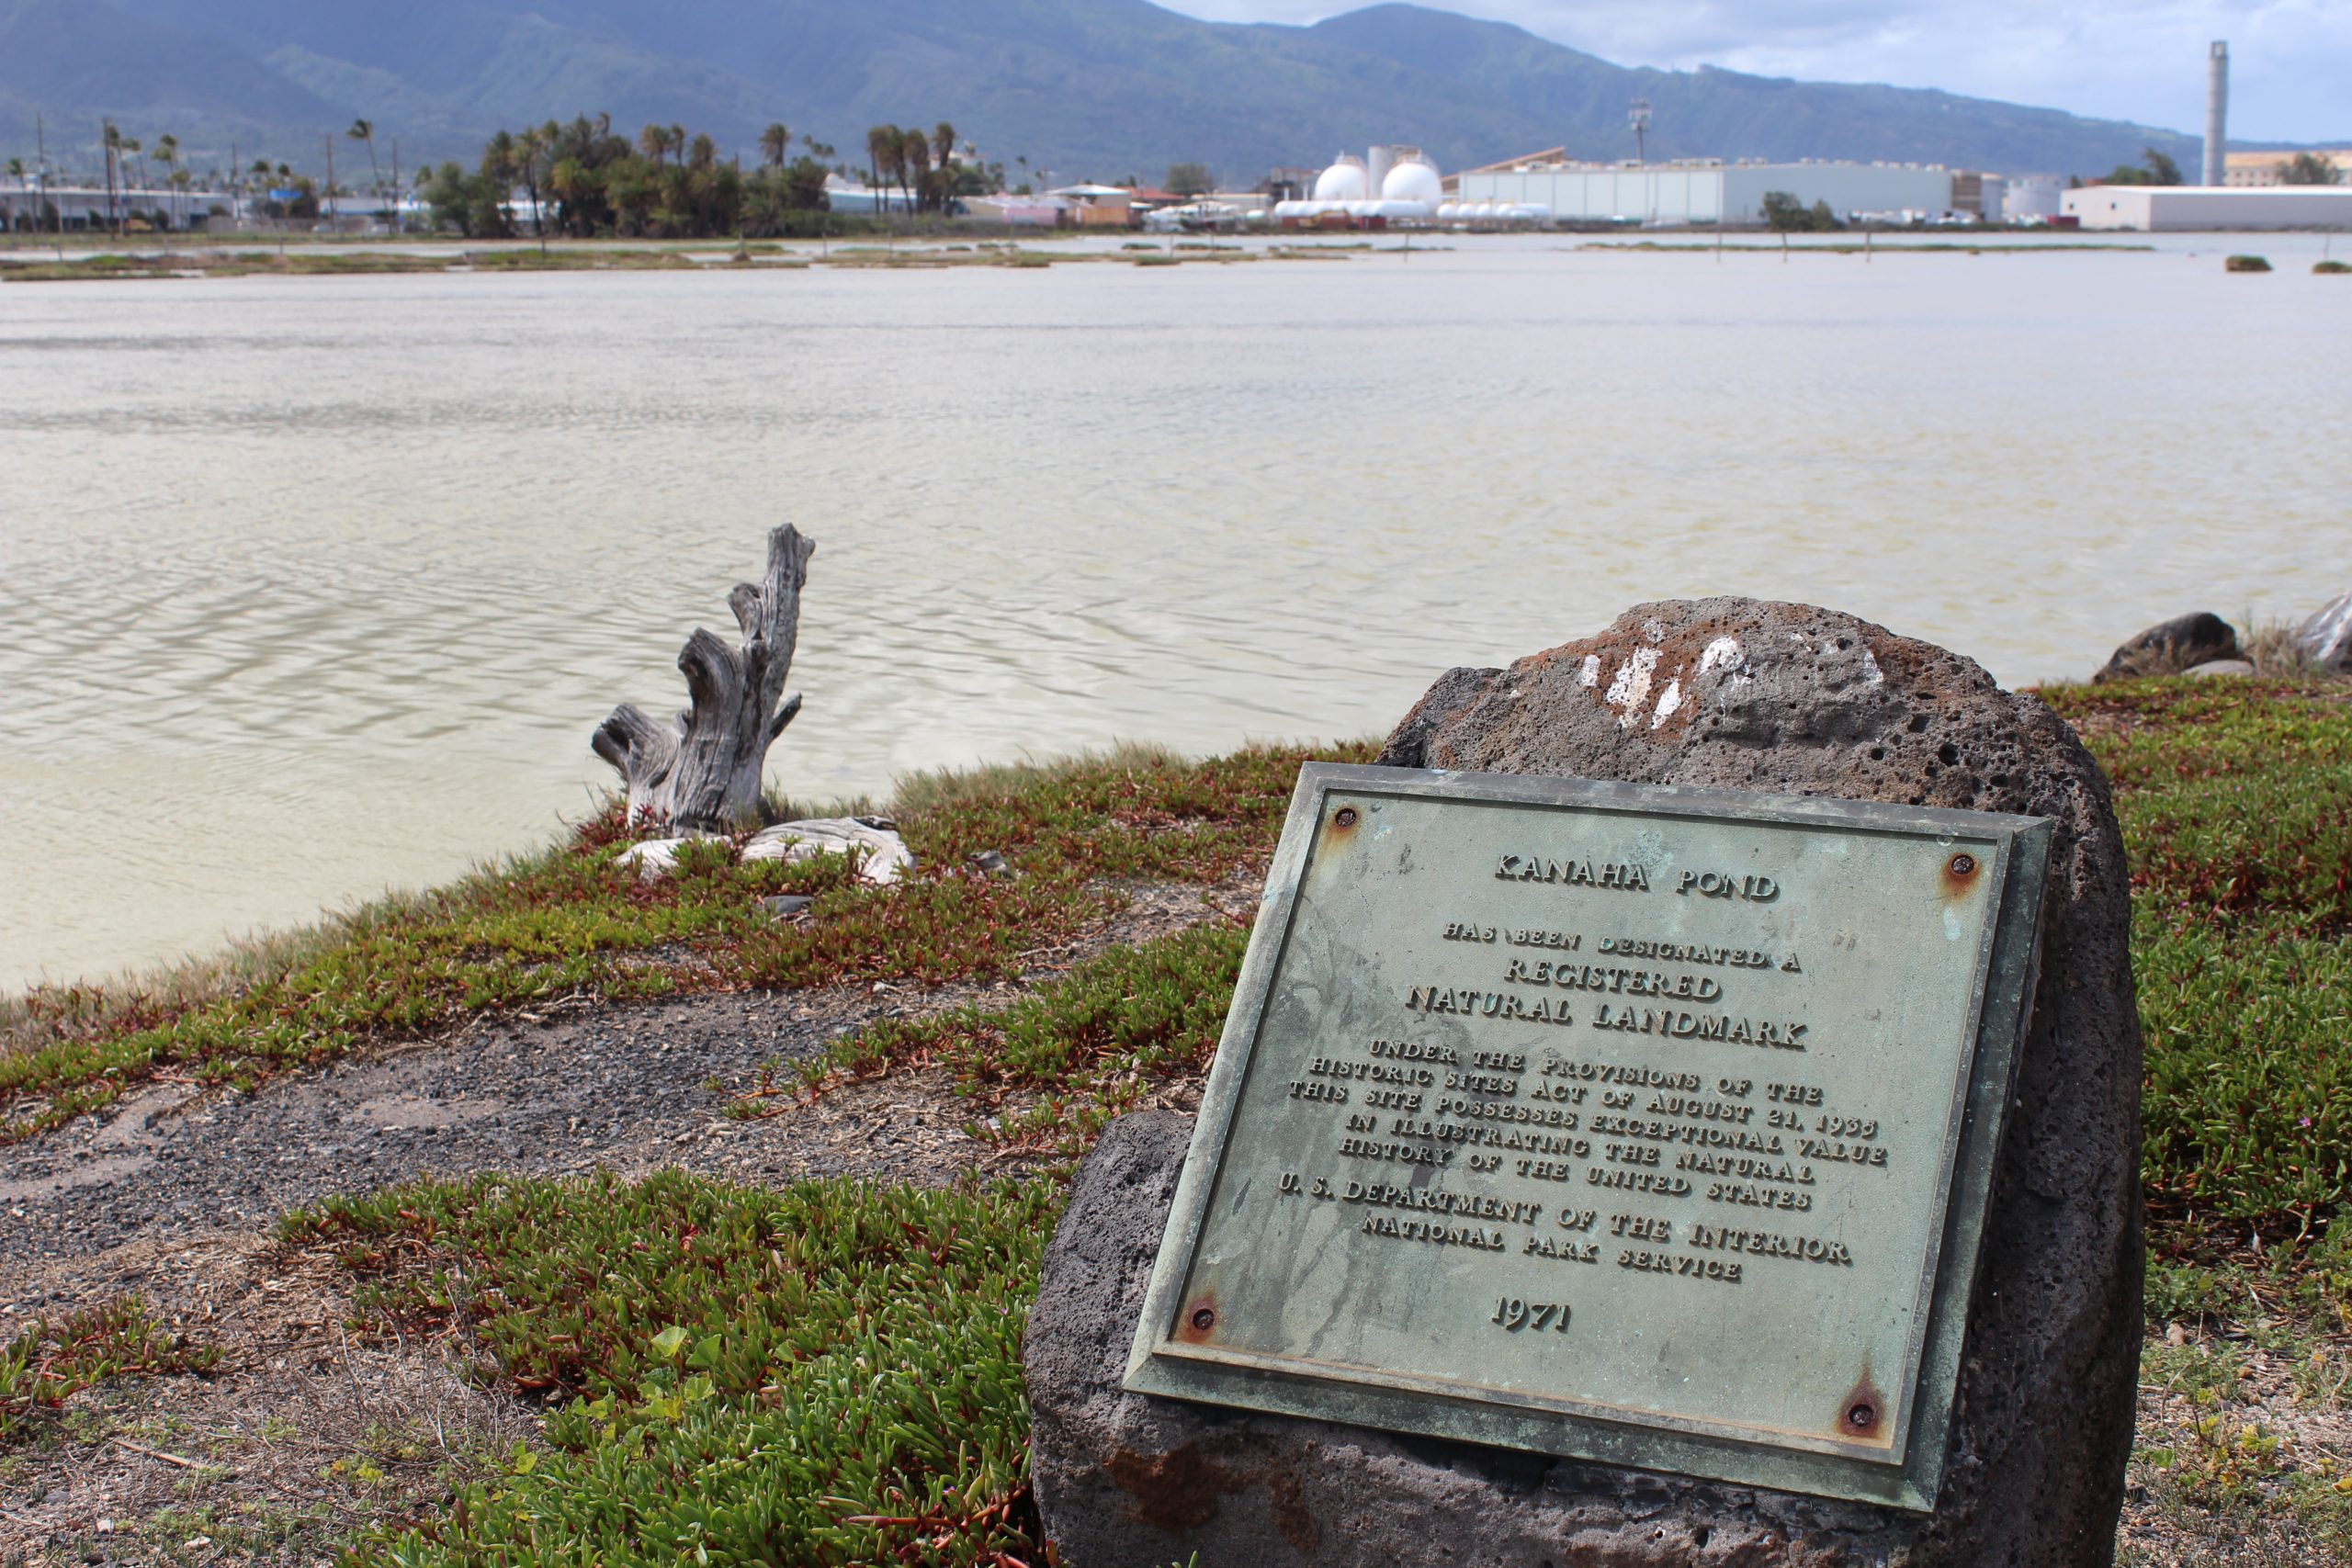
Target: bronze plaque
(1641, 1125)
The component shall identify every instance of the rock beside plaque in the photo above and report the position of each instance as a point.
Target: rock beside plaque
(1732, 694)
(2326, 638)
(2171, 646)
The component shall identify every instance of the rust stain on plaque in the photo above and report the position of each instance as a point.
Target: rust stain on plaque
(1962, 875)
(1862, 1413)
(1197, 1324)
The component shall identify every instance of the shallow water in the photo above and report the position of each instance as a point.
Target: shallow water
(311, 586)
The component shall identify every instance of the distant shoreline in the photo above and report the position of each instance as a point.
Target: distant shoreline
(255, 255)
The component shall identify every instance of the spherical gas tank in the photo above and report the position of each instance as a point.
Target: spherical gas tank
(1343, 181)
(1415, 179)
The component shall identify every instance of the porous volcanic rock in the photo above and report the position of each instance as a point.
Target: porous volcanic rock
(1739, 693)
(2173, 645)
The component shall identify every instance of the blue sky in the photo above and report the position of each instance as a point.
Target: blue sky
(2291, 60)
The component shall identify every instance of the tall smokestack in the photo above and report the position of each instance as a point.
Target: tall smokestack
(2217, 110)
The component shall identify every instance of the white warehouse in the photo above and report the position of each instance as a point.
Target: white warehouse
(2153, 208)
(1702, 192)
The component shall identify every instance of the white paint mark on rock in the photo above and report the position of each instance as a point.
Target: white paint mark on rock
(1668, 700)
(1592, 676)
(1654, 629)
(1870, 672)
(1722, 654)
(1631, 686)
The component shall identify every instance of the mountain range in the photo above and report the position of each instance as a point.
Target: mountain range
(1100, 89)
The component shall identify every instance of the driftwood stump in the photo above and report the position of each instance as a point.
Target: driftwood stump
(703, 771)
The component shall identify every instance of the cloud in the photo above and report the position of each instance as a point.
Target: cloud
(2141, 59)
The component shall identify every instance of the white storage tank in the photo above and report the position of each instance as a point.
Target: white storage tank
(1414, 178)
(1343, 181)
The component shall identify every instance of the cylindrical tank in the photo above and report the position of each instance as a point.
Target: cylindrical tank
(1343, 181)
(1376, 166)
(2217, 112)
(1414, 178)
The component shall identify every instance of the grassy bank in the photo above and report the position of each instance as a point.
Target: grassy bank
(829, 1373)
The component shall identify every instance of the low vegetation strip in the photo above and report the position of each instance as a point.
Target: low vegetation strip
(1081, 1050)
(48, 1363)
(828, 1374)
(2236, 803)
(572, 921)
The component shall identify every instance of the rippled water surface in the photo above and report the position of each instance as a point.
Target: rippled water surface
(311, 586)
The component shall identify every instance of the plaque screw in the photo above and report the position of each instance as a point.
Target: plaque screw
(1345, 816)
(1205, 1318)
(1862, 1416)
(1962, 865)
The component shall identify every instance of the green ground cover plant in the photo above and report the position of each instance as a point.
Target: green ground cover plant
(827, 1375)
(2235, 798)
(48, 1362)
(1084, 1048)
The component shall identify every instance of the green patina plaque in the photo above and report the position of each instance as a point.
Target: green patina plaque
(1640, 1125)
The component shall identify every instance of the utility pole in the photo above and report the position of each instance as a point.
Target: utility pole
(331, 214)
(40, 157)
(106, 139)
(399, 226)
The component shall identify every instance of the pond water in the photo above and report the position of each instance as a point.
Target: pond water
(314, 586)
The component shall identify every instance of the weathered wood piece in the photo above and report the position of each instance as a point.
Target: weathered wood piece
(703, 771)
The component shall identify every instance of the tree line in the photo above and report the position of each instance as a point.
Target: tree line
(584, 180)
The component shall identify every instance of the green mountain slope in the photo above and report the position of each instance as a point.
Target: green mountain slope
(1089, 88)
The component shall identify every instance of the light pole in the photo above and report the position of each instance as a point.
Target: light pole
(1639, 118)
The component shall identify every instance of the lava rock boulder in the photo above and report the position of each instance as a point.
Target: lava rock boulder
(1733, 694)
(2172, 647)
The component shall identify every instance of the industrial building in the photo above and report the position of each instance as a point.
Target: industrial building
(32, 207)
(1393, 185)
(2270, 168)
(1705, 191)
(2158, 207)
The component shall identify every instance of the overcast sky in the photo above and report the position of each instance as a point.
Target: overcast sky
(2291, 60)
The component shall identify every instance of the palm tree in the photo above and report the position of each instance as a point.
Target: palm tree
(653, 142)
(774, 142)
(167, 150)
(530, 150)
(112, 139)
(365, 131)
(127, 147)
(15, 172)
(914, 166)
(882, 154)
